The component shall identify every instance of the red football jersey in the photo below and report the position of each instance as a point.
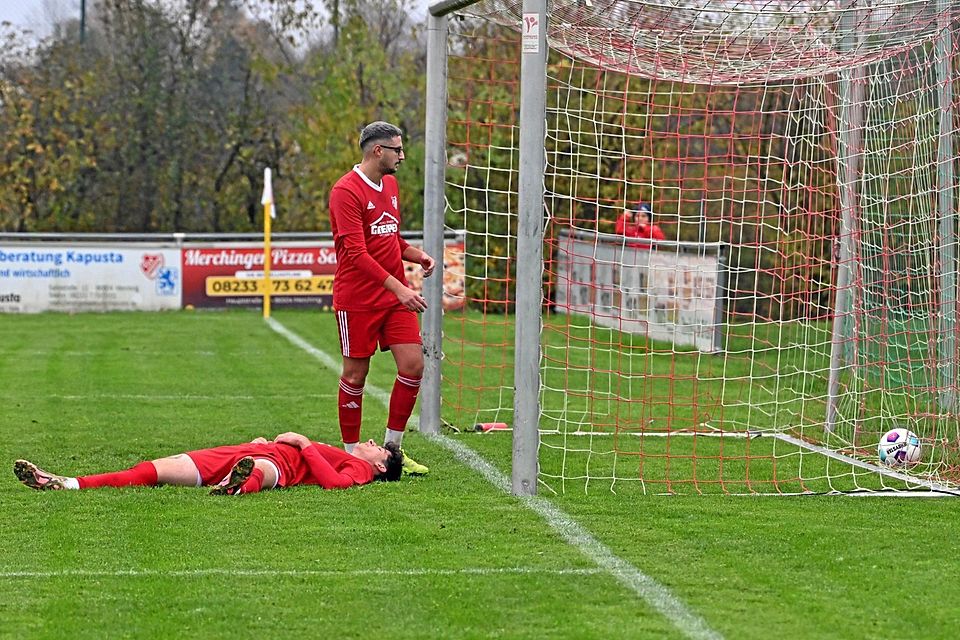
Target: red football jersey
(329, 467)
(365, 220)
(321, 464)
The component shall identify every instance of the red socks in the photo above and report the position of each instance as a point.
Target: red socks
(402, 400)
(143, 474)
(350, 402)
(254, 483)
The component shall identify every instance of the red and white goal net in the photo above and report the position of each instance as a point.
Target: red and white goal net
(800, 160)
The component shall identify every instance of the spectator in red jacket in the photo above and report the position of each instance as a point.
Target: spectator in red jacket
(638, 223)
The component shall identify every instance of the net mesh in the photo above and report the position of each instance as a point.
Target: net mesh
(798, 158)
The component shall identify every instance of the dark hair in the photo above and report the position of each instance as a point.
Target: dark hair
(394, 464)
(377, 132)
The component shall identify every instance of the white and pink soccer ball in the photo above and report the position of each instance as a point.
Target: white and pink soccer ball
(899, 447)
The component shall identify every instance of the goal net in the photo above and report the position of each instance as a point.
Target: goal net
(799, 158)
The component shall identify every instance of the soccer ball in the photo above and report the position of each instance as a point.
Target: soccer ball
(899, 447)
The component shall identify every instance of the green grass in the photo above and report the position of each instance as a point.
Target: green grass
(607, 373)
(772, 377)
(445, 556)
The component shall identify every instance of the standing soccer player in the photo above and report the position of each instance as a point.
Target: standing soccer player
(373, 304)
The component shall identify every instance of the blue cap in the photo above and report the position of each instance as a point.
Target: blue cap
(643, 207)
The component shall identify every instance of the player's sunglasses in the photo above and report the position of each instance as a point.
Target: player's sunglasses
(397, 149)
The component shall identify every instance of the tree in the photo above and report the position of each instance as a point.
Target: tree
(47, 162)
(162, 120)
(359, 75)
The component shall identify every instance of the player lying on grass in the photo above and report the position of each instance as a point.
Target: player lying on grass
(291, 459)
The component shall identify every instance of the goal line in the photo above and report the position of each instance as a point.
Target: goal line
(923, 487)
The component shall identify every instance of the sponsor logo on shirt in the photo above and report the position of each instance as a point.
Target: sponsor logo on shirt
(370, 205)
(384, 225)
(393, 201)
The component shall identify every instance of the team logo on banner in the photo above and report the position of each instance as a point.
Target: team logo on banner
(167, 279)
(149, 264)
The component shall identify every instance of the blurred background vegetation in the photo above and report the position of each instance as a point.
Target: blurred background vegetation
(161, 116)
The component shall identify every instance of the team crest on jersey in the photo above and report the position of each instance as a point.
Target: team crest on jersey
(393, 201)
(384, 225)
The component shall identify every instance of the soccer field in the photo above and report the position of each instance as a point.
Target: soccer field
(450, 555)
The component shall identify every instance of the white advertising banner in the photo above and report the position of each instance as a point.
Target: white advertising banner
(73, 277)
(662, 292)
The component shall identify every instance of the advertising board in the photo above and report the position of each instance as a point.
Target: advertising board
(71, 275)
(672, 291)
(231, 275)
(38, 277)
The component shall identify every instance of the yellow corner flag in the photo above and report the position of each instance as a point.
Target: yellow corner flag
(267, 198)
(268, 214)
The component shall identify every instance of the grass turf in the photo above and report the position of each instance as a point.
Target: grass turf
(447, 555)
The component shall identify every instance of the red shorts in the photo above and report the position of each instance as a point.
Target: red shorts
(215, 464)
(361, 331)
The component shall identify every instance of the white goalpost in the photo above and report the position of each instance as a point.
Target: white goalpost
(798, 156)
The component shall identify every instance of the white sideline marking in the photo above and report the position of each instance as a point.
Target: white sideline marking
(202, 573)
(651, 591)
(655, 594)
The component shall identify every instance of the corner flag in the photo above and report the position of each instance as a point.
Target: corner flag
(268, 213)
(267, 198)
